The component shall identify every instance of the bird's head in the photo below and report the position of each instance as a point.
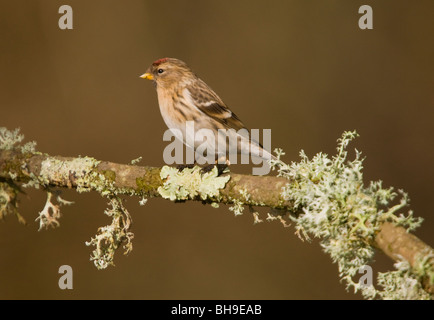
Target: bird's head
(166, 72)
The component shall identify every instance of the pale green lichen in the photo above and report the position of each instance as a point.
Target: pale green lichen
(332, 203)
(278, 215)
(82, 170)
(9, 201)
(191, 183)
(424, 265)
(12, 140)
(136, 161)
(32, 183)
(143, 201)
(401, 284)
(215, 205)
(256, 218)
(237, 207)
(110, 237)
(50, 214)
(238, 204)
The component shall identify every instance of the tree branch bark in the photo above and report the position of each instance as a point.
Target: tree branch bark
(143, 180)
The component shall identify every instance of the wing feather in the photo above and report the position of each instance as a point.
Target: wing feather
(208, 102)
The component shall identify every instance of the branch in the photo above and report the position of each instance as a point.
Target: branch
(87, 174)
(350, 221)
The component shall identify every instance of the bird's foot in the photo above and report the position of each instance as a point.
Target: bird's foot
(221, 168)
(181, 167)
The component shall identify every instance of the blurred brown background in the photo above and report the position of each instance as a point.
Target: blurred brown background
(302, 68)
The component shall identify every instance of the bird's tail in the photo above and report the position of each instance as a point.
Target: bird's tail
(258, 150)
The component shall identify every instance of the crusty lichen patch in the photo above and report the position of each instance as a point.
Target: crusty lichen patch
(148, 183)
(191, 183)
(61, 170)
(83, 171)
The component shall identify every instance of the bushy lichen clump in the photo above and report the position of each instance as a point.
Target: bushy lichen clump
(336, 207)
(50, 214)
(402, 284)
(110, 237)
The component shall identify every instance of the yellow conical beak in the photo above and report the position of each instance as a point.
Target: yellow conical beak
(147, 76)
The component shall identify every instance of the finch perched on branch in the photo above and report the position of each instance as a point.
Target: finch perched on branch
(182, 97)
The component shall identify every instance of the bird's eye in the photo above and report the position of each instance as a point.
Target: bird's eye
(160, 71)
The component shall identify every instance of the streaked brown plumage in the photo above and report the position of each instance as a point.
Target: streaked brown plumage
(182, 96)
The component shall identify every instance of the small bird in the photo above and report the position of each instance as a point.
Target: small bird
(183, 96)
